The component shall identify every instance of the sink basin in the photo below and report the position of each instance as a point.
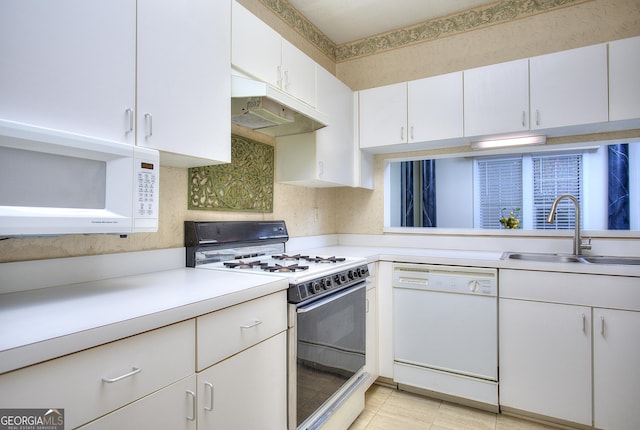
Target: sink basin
(546, 258)
(634, 261)
(569, 258)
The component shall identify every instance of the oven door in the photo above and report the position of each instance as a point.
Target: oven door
(330, 346)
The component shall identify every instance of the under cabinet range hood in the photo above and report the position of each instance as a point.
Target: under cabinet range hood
(269, 110)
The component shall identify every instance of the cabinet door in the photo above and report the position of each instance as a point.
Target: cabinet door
(383, 116)
(184, 86)
(496, 98)
(171, 408)
(335, 145)
(371, 365)
(545, 359)
(246, 391)
(69, 65)
(435, 108)
(298, 73)
(624, 85)
(255, 47)
(616, 354)
(569, 88)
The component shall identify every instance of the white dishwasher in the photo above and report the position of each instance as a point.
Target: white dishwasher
(446, 331)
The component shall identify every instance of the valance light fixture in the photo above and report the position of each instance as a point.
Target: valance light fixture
(512, 141)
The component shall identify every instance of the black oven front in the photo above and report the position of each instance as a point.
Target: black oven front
(329, 348)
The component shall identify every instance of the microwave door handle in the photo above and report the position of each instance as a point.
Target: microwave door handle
(329, 299)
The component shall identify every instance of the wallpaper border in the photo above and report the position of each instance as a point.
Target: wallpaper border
(473, 19)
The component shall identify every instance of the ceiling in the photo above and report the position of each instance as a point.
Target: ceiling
(348, 20)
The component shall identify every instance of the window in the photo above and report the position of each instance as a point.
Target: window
(553, 176)
(528, 185)
(499, 186)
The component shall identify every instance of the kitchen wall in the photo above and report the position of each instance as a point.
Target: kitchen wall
(328, 211)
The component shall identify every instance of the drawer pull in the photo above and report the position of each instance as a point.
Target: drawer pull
(193, 405)
(255, 323)
(134, 370)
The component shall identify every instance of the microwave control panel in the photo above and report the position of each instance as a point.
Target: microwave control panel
(147, 189)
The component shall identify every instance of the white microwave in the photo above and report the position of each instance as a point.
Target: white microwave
(54, 183)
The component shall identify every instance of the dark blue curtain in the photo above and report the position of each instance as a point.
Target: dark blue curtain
(407, 194)
(427, 194)
(618, 186)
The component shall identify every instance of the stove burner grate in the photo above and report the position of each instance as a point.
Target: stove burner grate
(285, 257)
(324, 259)
(291, 268)
(244, 264)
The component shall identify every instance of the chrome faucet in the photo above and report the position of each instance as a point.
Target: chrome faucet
(578, 246)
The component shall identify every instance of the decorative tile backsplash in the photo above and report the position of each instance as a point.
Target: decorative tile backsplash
(246, 184)
(495, 13)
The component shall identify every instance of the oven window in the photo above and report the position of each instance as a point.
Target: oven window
(330, 348)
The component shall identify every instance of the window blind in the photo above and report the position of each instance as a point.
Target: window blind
(554, 175)
(500, 187)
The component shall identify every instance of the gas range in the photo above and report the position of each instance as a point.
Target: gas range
(258, 247)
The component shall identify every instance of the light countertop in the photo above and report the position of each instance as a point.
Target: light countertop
(42, 324)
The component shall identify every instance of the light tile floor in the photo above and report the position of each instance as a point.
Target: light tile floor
(387, 409)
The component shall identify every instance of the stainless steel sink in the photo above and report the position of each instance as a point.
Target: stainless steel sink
(546, 258)
(570, 258)
(634, 261)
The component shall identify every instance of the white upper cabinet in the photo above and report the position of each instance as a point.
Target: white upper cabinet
(435, 108)
(569, 88)
(424, 110)
(324, 158)
(184, 84)
(73, 68)
(624, 85)
(69, 65)
(260, 52)
(496, 98)
(383, 116)
(298, 74)
(256, 48)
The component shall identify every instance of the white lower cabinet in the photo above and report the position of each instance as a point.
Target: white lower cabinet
(569, 347)
(171, 408)
(545, 359)
(371, 366)
(247, 390)
(616, 375)
(97, 381)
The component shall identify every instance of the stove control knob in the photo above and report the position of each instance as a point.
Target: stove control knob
(316, 287)
(327, 283)
(350, 274)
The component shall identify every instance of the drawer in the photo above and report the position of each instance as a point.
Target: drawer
(228, 331)
(171, 408)
(91, 383)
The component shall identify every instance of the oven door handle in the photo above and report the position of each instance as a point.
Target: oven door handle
(330, 298)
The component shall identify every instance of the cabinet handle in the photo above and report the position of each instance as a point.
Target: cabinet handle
(254, 324)
(367, 311)
(401, 133)
(523, 119)
(602, 325)
(210, 386)
(193, 405)
(129, 113)
(411, 130)
(286, 79)
(537, 117)
(148, 121)
(279, 80)
(584, 323)
(320, 168)
(134, 370)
